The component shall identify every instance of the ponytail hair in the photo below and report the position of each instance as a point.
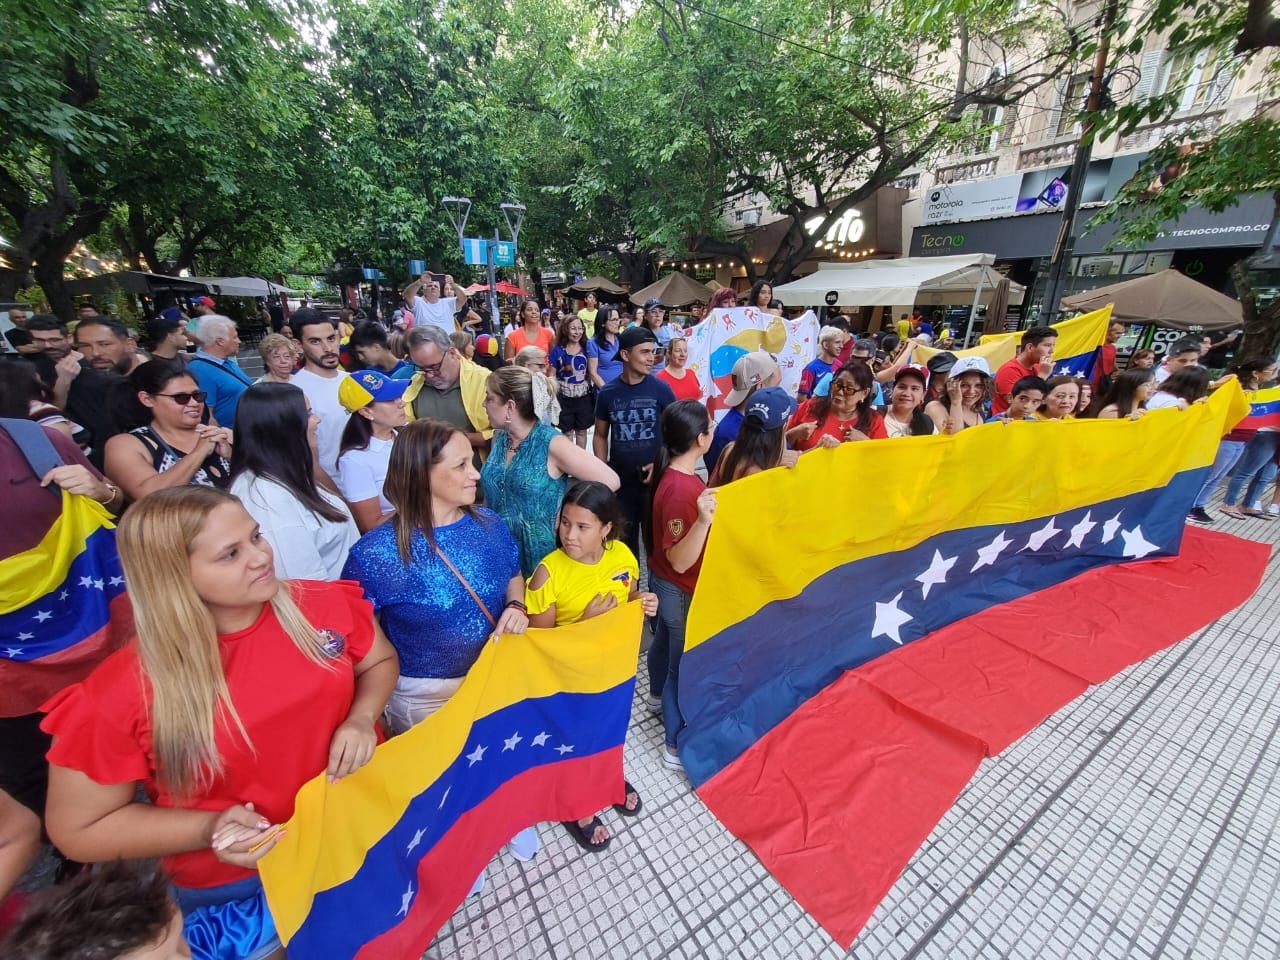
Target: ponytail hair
(681, 424)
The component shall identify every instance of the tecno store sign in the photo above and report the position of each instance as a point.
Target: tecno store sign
(935, 242)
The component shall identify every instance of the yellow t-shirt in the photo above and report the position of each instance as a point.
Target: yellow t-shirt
(572, 585)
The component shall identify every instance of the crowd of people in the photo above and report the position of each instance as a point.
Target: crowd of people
(316, 557)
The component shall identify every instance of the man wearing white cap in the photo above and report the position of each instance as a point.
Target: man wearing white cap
(750, 373)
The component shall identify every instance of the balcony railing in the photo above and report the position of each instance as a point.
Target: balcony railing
(1149, 136)
(1047, 155)
(977, 169)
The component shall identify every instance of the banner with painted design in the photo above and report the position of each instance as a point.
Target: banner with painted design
(725, 335)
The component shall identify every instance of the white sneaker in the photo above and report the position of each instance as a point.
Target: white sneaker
(654, 702)
(1274, 509)
(524, 845)
(671, 760)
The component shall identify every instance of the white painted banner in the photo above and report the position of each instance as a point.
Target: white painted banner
(718, 341)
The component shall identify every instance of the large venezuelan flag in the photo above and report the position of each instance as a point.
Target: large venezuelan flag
(846, 670)
(1264, 410)
(372, 866)
(63, 605)
(1080, 341)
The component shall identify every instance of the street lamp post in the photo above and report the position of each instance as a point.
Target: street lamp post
(458, 209)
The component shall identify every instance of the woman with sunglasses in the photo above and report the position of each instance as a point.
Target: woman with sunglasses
(846, 413)
(167, 443)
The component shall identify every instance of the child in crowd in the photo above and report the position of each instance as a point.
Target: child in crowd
(1028, 394)
(120, 911)
(464, 342)
(589, 573)
(681, 509)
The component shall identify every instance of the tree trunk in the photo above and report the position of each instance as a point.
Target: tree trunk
(11, 281)
(49, 274)
(1261, 327)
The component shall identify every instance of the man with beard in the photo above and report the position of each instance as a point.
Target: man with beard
(79, 390)
(320, 378)
(107, 345)
(215, 369)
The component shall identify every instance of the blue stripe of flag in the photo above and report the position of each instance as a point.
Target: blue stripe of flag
(831, 626)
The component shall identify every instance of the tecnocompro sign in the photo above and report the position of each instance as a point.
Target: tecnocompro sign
(1244, 225)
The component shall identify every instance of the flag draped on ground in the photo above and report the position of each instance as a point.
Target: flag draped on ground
(1076, 353)
(371, 867)
(841, 680)
(717, 342)
(62, 602)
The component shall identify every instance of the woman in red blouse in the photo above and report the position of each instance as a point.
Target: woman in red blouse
(846, 413)
(237, 689)
(682, 381)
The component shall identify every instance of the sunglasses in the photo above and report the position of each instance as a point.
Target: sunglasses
(844, 386)
(182, 399)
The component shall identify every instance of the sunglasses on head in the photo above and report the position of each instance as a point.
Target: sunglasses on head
(182, 399)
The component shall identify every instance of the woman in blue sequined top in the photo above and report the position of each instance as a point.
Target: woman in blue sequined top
(426, 609)
(421, 568)
(525, 475)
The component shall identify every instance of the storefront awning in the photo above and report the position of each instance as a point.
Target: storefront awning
(240, 286)
(1166, 298)
(888, 283)
(132, 281)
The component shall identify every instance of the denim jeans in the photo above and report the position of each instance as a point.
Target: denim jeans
(633, 498)
(1247, 478)
(668, 647)
(1228, 453)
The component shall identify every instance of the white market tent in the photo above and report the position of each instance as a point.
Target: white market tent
(902, 282)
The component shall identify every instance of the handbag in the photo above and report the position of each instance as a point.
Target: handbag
(463, 580)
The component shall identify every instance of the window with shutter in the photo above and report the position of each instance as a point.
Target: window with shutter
(1148, 73)
(1008, 132)
(1055, 113)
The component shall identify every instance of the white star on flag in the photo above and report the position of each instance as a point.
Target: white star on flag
(405, 899)
(26, 636)
(116, 581)
(889, 620)
(987, 555)
(1081, 530)
(939, 567)
(13, 651)
(1110, 529)
(64, 594)
(476, 755)
(86, 581)
(564, 748)
(511, 742)
(417, 839)
(43, 615)
(444, 797)
(99, 584)
(1042, 536)
(540, 739)
(1135, 544)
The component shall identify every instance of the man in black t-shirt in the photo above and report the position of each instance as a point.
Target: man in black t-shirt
(627, 435)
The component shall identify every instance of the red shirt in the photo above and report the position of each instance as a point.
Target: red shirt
(1010, 372)
(289, 705)
(675, 509)
(832, 427)
(685, 388)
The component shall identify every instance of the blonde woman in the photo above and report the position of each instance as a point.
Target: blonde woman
(279, 357)
(237, 689)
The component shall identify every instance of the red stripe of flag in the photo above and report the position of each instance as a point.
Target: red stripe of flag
(567, 789)
(837, 799)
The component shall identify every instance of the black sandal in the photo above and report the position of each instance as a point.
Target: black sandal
(622, 807)
(583, 835)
